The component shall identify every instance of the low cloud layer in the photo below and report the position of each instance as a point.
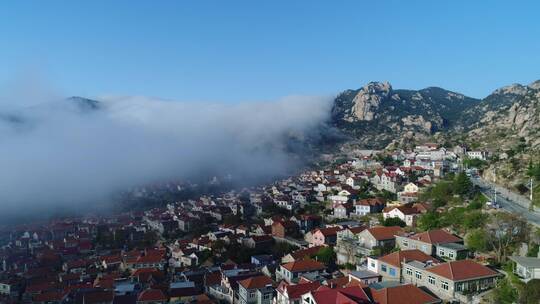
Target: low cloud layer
(58, 154)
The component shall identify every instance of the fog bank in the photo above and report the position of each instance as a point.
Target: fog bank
(73, 152)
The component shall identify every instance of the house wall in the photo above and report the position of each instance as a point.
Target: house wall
(265, 296)
(389, 272)
(361, 210)
(406, 243)
(317, 239)
(450, 254)
(373, 265)
(366, 240)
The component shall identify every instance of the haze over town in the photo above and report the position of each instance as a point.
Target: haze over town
(283, 152)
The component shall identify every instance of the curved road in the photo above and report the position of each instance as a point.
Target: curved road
(508, 200)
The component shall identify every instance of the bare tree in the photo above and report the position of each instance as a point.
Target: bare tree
(504, 231)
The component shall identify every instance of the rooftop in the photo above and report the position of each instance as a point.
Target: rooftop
(462, 270)
(403, 294)
(529, 262)
(303, 265)
(436, 237)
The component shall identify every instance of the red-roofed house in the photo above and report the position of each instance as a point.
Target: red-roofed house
(407, 213)
(291, 272)
(255, 290)
(378, 237)
(370, 205)
(347, 295)
(284, 228)
(453, 280)
(292, 294)
(389, 266)
(435, 242)
(324, 236)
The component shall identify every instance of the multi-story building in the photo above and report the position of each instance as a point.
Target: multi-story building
(291, 272)
(456, 280)
(255, 290)
(437, 242)
(390, 265)
(370, 205)
(378, 237)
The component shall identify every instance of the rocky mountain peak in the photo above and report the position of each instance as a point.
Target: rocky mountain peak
(367, 100)
(535, 85)
(513, 89)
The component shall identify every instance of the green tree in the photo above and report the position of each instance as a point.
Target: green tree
(504, 232)
(326, 255)
(476, 240)
(394, 221)
(530, 293)
(281, 248)
(462, 185)
(430, 220)
(439, 193)
(474, 219)
(504, 292)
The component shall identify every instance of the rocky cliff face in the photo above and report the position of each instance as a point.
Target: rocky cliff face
(377, 114)
(367, 101)
(510, 114)
(508, 125)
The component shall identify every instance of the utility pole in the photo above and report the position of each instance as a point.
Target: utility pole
(531, 197)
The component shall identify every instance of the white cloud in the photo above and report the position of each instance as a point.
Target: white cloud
(61, 157)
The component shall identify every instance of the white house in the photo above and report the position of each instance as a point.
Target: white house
(477, 154)
(526, 268)
(405, 213)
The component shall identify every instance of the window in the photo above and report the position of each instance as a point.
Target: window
(441, 252)
(383, 268)
(372, 264)
(408, 271)
(405, 244)
(251, 294)
(451, 255)
(431, 280)
(444, 285)
(418, 275)
(392, 272)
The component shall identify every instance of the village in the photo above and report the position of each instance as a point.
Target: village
(371, 227)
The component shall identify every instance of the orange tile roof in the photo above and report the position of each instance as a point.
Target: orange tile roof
(396, 258)
(347, 295)
(296, 291)
(402, 294)
(151, 295)
(370, 201)
(302, 253)
(358, 229)
(385, 233)
(256, 282)
(462, 270)
(328, 231)
(304, 265)
(438, 236)
(404, 209)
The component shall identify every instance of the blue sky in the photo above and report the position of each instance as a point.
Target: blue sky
(260, 50)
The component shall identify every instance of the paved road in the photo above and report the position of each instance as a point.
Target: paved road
(509, 201)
